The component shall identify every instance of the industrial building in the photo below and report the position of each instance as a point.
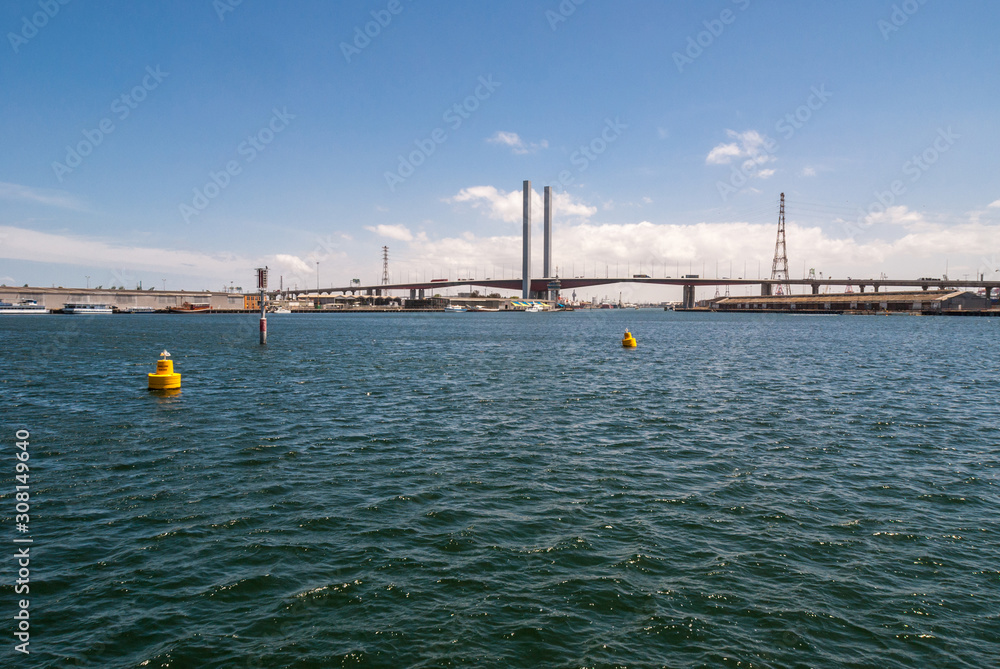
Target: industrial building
(923, 302)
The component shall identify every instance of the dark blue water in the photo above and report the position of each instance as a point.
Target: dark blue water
(507, 490)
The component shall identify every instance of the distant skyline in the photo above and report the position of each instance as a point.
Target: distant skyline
(190, 142)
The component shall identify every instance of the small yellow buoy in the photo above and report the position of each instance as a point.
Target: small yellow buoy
(628, 341)
(164, 377)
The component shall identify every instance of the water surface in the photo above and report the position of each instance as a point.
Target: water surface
(433, 490)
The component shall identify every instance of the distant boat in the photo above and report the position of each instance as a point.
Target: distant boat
(139, 310)
(192, 308)
(23, 307)
(534, 309)
(454, 309)
(281, 310)
(480, 307)
(87, 309)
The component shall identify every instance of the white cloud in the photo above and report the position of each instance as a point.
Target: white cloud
(31, 245)
(898, 215)
(764, 174)
(749, 144)
(518, 145)
(201, 268)
(508, 206)
(994, 205)
(505, 206)
(723, 154)
(400, 232)
(564, 204)
(809, 171)
(44, 196)
(293, 265)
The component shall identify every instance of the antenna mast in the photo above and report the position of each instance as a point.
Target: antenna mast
(385, 265)
(779, 268)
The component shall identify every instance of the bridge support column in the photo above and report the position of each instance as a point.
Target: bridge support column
(687, 300)
(862, 287)
(420, 293)
(413, 293)
(815, 289)
(526, 243)
(765, 289)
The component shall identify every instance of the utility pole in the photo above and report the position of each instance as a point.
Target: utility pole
(385, 265)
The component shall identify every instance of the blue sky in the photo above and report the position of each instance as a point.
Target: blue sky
(265, 132)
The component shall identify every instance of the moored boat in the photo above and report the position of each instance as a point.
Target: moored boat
(75, 308)
(22, 307)
(454, 309)
(192, 308)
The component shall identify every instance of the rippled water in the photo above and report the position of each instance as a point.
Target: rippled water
(436, 490)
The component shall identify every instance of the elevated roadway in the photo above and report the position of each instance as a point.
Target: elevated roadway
(689, 283)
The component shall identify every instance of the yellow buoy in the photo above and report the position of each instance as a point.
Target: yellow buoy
(628, 341)
(164, 377)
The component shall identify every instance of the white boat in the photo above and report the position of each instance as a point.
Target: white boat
(139, 310)
(87, 309)
(454, 309)
(23, 307)
(534, 309)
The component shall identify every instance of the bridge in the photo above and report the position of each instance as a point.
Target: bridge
(548, 286)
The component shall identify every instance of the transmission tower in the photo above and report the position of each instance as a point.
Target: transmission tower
(385, 265)
(779, 268)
